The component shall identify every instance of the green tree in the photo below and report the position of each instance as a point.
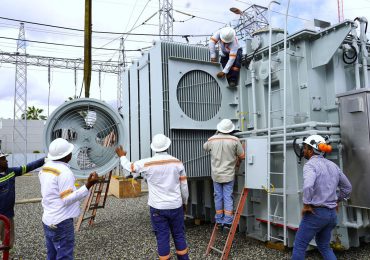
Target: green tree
(34, 113)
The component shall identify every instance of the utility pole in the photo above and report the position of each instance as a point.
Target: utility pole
(20, 101)
(340, 10)
(87, 48)
(166, 20)
(121, 65)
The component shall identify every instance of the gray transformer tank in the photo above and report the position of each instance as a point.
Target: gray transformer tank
(173, 89)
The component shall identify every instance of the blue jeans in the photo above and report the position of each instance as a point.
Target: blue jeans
(224, 203)
(60, 240)
(164, 221)
(318, 225)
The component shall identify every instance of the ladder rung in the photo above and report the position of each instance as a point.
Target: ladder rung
(277, 173)
(90, 217)
(98, 191)
(216, 249)
(96, 207)
(282, 240)
(275, 216)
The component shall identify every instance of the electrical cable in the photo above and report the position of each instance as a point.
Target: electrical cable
(350, 59)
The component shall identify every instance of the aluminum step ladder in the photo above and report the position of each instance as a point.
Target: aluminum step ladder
(92, 202)
(230, 237)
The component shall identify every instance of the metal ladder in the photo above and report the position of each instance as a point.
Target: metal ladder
(279, 194)
(92, 201)
(230, 237)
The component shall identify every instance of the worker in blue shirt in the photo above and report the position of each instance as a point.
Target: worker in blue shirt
(7, 190)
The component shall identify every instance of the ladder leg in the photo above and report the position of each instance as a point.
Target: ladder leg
(212, 240)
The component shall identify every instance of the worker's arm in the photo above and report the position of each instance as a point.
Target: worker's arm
(212, 44)
(29, 167)
(206, 146)
(240, 151)
(67, 191)
(309, 178)
(345, 187)
(136, 168)
(184, 186)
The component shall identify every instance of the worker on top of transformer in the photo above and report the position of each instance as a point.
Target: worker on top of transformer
(60, 199)
(168, 194)
(226, 151)
(231, 54)
(324, 185)
(7, 190)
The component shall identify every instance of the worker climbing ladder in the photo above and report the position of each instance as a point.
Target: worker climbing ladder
(92, 202)
(230, 237)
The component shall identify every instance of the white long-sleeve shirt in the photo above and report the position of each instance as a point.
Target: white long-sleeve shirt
(166, 177)
(230, 49)
(60, 198)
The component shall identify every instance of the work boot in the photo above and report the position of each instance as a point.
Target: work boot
(219, 226)
(232, 84)
(227, 227)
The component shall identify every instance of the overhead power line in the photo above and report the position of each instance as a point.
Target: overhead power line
(104, 32)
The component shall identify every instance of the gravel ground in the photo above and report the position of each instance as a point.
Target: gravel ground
(123, 231)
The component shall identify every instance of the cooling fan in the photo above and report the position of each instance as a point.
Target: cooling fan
(94, 128)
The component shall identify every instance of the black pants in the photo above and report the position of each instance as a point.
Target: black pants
(233, 74)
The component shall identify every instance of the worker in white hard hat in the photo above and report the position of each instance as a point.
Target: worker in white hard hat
(168, 195)
(7, 190)
(231, 54)
(226, 152)
(61, 199)
(324, 185)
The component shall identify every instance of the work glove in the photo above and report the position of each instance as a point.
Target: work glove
(220, 74)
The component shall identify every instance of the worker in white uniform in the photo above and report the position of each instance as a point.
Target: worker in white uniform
(61, 199)
(168, 195)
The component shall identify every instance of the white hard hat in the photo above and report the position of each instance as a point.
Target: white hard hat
(3, 154)
(160, 143)
(59, 148)
(314, 141)
(225, 126)
(227, 34)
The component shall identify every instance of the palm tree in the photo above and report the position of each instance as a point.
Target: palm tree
(34, 113)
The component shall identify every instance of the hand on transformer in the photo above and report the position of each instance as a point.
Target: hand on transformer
(120, 152)
(92, 179)
(220, 74)
(213, 60)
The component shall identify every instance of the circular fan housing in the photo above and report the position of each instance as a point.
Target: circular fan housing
(93, 127)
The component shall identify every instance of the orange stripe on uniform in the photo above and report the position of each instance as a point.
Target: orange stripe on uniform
(162, 162)
(66, 193)
(232, 55)
(182, 252)
(50, 170)
(182, 178)
(214, 40)
(230, 213)
(221, 211)
(235, 68)
(166, 257)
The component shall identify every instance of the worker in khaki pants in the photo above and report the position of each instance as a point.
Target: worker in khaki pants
(226, 151)
(168, 195)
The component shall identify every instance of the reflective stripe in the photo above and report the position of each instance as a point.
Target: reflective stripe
(7, 177)
(24, 169)
(235, 68)
(183, 178)
(221, 211)
(230, 213)
(53, 171)
(182, 252)
(166, 257)
(232, 55)
(66, 193)
(216, 139)
(214, 40)
(162, 162)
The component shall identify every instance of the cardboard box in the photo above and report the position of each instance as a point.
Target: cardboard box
(121, 187)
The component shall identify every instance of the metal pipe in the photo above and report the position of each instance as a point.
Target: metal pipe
(357, 65)
(364, 52)
(253, 76)
(346, 223)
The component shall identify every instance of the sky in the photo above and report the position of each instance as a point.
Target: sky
(123, 16)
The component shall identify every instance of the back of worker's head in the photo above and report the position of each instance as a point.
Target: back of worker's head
(59, 149)
(318, 144)
(227, 34)
(225, 126)
(160, 143)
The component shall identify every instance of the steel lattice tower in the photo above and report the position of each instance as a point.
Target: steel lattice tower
(121, 65)
(166, 20)
(251, 19)
(20, 101)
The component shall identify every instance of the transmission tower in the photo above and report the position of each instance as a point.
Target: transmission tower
(121, 65)
(251, 19)
(166, 20)
(340, 11)
(20, 101)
